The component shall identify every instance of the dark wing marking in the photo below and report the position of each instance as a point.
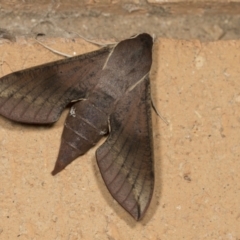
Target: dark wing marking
(125, 160)
(39, 94)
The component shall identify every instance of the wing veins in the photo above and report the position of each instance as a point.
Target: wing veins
(42, 92)
(126, 179)
(34, 87)
(11, 95)
(8, 85)
(118, 153)
(50, 95)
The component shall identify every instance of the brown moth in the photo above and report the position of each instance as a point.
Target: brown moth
(110, 89)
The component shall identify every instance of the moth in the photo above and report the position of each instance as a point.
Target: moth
(110, 94)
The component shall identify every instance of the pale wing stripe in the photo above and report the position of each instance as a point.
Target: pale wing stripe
(55, 79)
(5, 78)
(46, 88)
(26, 94)
(24, 83)
(142, 185)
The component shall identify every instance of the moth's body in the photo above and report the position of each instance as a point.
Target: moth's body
(113, 86)
(90, 123)
(84, 129)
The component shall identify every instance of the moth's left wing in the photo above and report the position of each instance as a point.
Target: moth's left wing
(125, 160)
(39, 94)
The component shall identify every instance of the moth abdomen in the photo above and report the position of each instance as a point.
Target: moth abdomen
(84, 127)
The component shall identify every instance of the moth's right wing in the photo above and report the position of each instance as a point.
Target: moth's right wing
(39, 94)
(125, 159)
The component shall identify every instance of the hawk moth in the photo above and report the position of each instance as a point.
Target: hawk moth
(110, 94)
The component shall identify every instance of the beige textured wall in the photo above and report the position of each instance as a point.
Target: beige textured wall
(196, 88)
(122, 7)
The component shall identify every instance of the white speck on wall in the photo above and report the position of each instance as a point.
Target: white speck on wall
(160, 1)
(237, 99)
(199, 62)
(198, 114)
(230, 236)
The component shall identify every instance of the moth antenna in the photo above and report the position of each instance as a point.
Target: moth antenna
(158, 113)
(54, 51)
(154, 37)
(96, 43)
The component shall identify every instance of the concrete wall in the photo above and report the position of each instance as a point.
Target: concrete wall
(196, 88)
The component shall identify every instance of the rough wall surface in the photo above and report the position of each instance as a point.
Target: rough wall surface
(206, 20)
(196, 88)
